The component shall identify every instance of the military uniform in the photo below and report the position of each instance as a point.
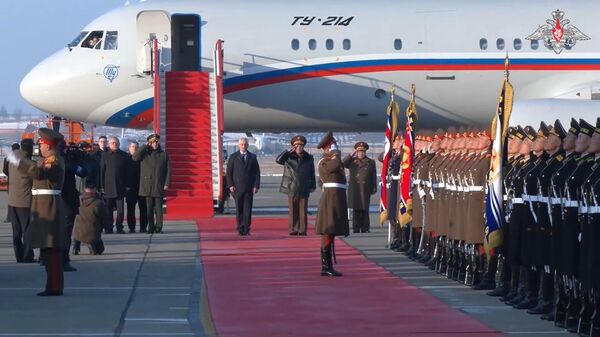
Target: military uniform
(332, 214)
(297, 182)
(362, 183)
(47, 216)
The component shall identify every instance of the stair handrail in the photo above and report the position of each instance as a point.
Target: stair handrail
(218, 78)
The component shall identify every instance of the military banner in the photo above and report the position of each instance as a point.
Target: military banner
(405, 207)
(494, 213)
(390, 132)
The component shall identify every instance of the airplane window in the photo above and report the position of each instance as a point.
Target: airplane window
(397, 44)
(112, 41)
(517, 44)
(295, 44)
(346, 44)
(329, 44)
(483, 44)
(78, 39)
(93, 40)
(500, 44)
(312, 44)
(535, 44)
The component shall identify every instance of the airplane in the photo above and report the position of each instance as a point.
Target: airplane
(329, 65)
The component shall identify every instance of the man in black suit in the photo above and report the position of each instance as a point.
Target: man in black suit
(113, 172)
(243, 180)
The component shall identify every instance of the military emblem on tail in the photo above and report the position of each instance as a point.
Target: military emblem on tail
(558, 33)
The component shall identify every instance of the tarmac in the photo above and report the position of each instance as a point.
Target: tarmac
(154, 285)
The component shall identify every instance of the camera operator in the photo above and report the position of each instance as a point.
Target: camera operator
(74, 165)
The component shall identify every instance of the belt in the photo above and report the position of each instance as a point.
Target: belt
(395, 177)
(505, 197)
(475, 188)
(441, 185)
(534, 198)
(336, 185)
(571, 203)
(594, 210)
(556, 201)
(517, 200)
(526, 197)
(45, 192)
(583, 210)
(428, 183)
(435, 185)
(460, 188)
(417, 181)
(452, 187)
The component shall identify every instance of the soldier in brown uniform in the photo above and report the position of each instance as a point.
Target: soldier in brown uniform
(46, 228)
(332, 215)
(361, 185)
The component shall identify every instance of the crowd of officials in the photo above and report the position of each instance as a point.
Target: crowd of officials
(61, 195)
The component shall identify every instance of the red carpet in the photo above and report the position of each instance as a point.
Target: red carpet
(268, 284)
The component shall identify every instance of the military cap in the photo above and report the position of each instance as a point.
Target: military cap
(326, 140)
(558, 130)
(510, 132)
(530, 133)
(49, 136)
(585, 128)
(298, 139)
(597, 129)
(153, 137)
(361, 146)
(543, 131)
(574, 129)
(520, 133)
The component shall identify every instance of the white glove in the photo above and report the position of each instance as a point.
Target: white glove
(13, 158)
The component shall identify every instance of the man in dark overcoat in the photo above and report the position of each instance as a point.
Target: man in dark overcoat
(332, 215)
(155, 178)
(46, 227)
(362, 183)
(132, 188)
(113, 173)
(298, 182)
(243, 180)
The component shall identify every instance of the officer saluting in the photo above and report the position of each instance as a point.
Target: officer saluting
(362, 184)
(45, 230)
(332, 215)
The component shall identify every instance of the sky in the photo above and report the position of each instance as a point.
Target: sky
(31, 30)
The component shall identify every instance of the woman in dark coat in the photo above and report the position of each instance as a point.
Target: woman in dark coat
(332, 215)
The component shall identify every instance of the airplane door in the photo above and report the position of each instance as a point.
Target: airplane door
(186, 51)
(152, 24)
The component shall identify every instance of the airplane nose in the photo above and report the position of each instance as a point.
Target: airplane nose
(35, 92)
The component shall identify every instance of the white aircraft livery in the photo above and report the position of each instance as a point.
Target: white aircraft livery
(330, 64)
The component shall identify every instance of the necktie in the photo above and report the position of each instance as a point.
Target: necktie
(244, 157)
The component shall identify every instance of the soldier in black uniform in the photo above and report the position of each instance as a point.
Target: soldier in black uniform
(593, 257)
(569, 241)
(557, 187)
(543, 236)
(518, 221)
(586, 237)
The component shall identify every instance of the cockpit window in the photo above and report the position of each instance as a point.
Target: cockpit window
(111, 42)
(94, 40)
(78, 39)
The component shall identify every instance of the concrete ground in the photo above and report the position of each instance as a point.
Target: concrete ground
(151, 285)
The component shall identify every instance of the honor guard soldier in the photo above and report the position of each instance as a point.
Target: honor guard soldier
(542, 235)
(298, 182)
(399, 242)
(45, 230)
(519, 216)
(362, 184)
(557, 187)
(587, 239)
(569, 260)
(332, 215)
(421, 167)
(593, 257)
(530, 197)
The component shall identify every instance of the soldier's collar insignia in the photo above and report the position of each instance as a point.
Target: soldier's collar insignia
(560, 157)
(558, 33)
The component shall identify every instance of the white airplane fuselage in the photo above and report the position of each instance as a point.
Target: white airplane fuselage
(347, 58)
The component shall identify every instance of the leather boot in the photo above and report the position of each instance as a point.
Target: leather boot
(595, 319)
(501, 278)
(327, 263)
(451, 258)
(487, 281)
(585, 315)
(572, 310)
(545, 304)
(560, 305)
(513, 284)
